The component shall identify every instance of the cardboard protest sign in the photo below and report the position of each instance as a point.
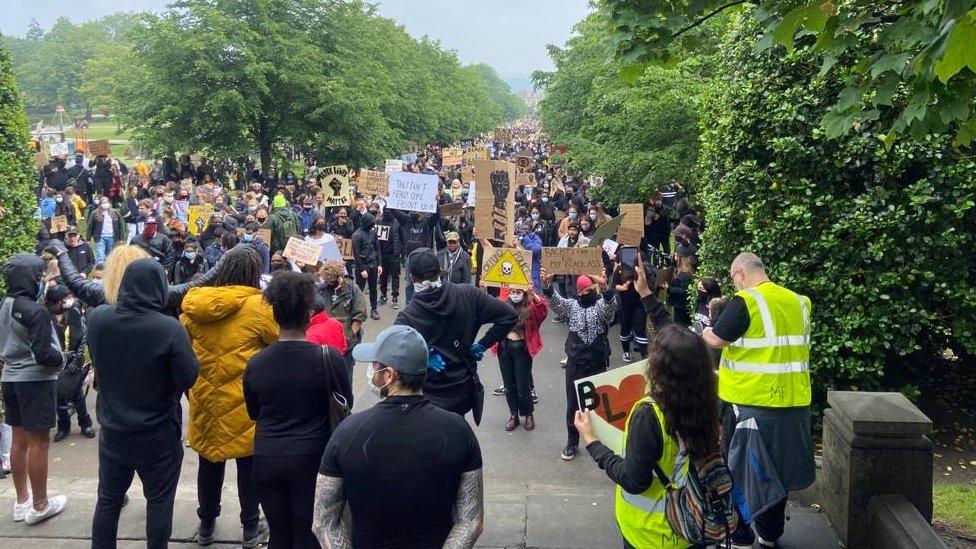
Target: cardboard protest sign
(525, 179)
(473, 154)
(59, 224)
(495, 200)
(375, 183)
(523, 161)
(394, 165)
(302, 252)
(467, 174)
(632, 228)
(40, 159)
(506, 268)
(265, 235)
(607, 230)
(572, 261)
(383, 233)
(503, 135)
(414, 192)
(334, 180)
(100, 147)
(345, 247)
(451, 156)
(609, 397)
(198, 218)
(451, 210)
(59, 149)
(409, 158)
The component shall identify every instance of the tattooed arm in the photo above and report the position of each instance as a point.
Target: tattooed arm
(469, 512)
(327, 523)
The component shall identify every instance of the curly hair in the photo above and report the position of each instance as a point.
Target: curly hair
(684, 385)
(332, 270)
(292, 298)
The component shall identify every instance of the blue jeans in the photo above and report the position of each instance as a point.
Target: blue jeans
(103, 247)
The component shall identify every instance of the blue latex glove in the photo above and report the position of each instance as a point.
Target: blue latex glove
(435, 361)
(478, 350)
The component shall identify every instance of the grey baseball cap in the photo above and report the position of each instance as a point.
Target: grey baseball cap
(399, 347)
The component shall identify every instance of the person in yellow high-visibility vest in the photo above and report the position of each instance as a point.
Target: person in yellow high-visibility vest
(764, 384)
(674, 424)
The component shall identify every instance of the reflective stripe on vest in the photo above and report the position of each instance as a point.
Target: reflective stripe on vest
(770, 364)
(641, 517)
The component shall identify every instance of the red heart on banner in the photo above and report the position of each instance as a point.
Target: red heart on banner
(615, 403)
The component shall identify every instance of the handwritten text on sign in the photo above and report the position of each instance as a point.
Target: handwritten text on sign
(413, 192)
(572, 261)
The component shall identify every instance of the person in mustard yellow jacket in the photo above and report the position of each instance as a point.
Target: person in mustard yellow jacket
(228, 323)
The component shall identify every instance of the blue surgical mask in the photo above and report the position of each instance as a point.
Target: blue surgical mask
(535, 217)
(573, 215)
(248, 237)
(592, 217)
(190, 255)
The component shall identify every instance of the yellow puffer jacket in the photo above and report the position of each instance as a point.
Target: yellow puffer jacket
(227, 326)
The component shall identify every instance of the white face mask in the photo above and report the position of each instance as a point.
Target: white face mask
(516, 298)
(69, 303)
(104, 205)
(370, 372)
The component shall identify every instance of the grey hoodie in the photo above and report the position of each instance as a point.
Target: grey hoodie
(29, 345)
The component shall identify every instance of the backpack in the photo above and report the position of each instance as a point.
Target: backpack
(702, 510)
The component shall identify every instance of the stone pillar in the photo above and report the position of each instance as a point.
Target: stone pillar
(873, 444)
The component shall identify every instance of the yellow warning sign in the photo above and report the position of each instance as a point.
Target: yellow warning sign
(506, 267)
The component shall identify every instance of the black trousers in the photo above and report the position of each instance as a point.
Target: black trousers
(210, 482)
(158, 464)
(574, 371)
(633, 328)
(371, 280)
(516, 366)
(81, 411)
(391, 272)
(286, 489)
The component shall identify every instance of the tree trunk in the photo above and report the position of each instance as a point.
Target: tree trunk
(88, 112)
(264, 145)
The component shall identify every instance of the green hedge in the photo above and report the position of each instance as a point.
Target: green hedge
(17, 174)
(883, 240)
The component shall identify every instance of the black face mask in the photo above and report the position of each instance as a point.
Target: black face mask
(275, 266)
(320, 228)
(588, 300)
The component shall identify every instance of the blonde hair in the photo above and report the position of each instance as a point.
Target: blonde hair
(115, 265)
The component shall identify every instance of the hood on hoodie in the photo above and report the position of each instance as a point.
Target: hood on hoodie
(143, 287)
(22, 274)
(215, 303)
(366, 221)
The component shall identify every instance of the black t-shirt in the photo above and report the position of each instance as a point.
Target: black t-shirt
(400, 463)
(734, 321)
(287, 392)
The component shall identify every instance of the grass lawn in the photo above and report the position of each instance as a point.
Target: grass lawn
(104, 129)
(955, 504)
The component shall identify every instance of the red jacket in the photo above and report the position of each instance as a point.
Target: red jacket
(540, 310)
(325, 330)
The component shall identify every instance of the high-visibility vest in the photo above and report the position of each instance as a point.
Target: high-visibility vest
(769, 366)
(641, 517)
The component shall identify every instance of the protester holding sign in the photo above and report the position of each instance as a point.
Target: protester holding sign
(587, 349)
(515, 354)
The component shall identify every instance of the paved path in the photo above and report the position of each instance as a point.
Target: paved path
(534, 499)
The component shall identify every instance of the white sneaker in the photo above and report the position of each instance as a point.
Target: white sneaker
(764, 543)
(54, 506)
(564, 361)
(21, 509)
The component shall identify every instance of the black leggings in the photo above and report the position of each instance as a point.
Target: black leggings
(574, 371)
(516, 366)
(633, 328)
(286, 489)
(391, 272)
(210, 482)
(371, 279)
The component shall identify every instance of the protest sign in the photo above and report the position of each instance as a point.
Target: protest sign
(451, 156)
(610, 247)
(503, 135)
(632, 227)
(394, 165)
(523, 160)
(610, 397)
(525, 179)
(265, 235)
(495, 200)
(409, 158)
(473, 154)
(414, 192)
(302, 252)
(383, 233)
(572, 261)
(451, 210)
(467, 174)
(334, 180)
(99, 147)
(375, 183)
(506, 268)
(607, 230)
(59, 149)
(345, 247)
(59, 224)
(40, 159)
(198, 218)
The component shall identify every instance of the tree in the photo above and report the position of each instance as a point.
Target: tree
(880, 237)
(17, 175)
(512, 106)
(925, 48)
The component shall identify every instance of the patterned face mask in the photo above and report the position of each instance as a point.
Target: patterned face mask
(427, 285)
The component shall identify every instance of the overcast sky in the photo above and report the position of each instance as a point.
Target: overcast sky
(510, 35)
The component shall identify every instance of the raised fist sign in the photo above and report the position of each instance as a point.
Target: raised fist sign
(336, 186)
(500, 186)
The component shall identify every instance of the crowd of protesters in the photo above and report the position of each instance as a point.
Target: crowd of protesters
(211, 309)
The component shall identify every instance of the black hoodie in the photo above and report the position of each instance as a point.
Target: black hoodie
(29, 345)
(365, 246)
(143, 359)
(449, 318)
